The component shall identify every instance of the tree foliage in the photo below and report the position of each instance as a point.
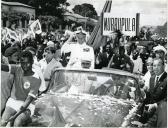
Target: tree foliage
(46, 7)
(20, 1)
(161, 30)
(86, 10)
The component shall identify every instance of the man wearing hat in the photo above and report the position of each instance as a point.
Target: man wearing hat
(82, 55)
(160, 52)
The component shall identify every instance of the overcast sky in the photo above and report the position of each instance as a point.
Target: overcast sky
(152, 12)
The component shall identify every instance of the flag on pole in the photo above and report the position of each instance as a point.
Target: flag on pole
(97, 39)
(3, 34)
(35, 27)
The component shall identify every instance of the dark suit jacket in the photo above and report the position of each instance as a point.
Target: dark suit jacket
(159, 91)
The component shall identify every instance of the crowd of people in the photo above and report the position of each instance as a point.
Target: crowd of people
(32, 62)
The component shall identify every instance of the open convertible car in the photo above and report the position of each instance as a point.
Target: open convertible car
(89, 98)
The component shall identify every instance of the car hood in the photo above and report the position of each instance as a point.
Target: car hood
(83, 110)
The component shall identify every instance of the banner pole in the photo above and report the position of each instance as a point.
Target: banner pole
(137, 23)
(101, 23)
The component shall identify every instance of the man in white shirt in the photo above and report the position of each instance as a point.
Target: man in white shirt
(137, 62)
(82, 55)
(52, 59)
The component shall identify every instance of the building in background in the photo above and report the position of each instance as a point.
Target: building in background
(23, 14)
(17, 12)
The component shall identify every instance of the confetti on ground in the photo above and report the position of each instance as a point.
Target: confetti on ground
(81, 118)
(79, 114)
(95, 113)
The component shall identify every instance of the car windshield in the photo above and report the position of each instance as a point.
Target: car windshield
(96, 83)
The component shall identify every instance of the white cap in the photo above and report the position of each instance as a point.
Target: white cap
(159, 48)
(80, 30)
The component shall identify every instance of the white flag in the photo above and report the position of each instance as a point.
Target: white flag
(11, 34)
(35, 27)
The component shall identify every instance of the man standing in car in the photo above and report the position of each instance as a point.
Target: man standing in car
(82, 55)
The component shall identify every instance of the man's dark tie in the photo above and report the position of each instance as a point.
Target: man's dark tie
(157, 80)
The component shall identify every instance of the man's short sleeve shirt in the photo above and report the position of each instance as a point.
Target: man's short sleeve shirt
(24, 85)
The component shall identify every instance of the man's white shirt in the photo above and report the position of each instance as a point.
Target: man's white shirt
(79, 53)
(146, 78)
(137, 65)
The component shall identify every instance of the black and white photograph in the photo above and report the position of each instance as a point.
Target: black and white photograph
(84, 63)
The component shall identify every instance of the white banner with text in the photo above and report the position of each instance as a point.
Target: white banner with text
(124, 22)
